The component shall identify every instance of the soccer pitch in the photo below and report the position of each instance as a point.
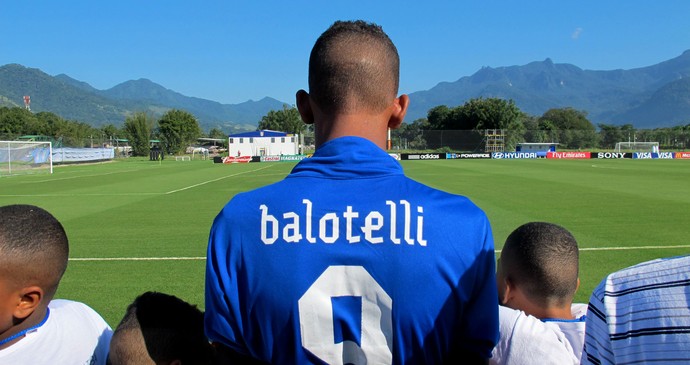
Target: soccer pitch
(137, 225)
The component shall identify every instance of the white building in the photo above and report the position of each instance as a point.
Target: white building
(263, 143)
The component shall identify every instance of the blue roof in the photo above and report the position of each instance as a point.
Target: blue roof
(262, 133)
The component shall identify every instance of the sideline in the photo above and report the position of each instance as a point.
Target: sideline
(204, 258)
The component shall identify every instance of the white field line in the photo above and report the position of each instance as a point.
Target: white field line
(135, 194)
(77, 194)
(80, 176)
(137, 258)
(214, 180)
(204, 258)
(626, 248)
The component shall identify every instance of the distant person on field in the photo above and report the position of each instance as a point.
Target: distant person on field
(34, 327)
(641, 315)
(537, 277)
(347, 260)
(160, 329)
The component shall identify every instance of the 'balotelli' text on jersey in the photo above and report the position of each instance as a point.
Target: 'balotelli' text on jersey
(397, 222)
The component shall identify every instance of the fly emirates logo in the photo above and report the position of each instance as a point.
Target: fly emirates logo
(373, 226)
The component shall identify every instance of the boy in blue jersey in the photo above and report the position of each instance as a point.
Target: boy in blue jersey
(348, 261)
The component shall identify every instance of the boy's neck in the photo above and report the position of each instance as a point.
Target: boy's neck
(34, 319)
(554, 313)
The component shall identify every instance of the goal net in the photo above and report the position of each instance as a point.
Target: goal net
(19, 157)
(637, 147)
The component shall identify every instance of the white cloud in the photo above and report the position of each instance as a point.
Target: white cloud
(576, 33)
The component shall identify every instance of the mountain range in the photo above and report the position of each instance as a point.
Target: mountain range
(77, 100)
(646, 97)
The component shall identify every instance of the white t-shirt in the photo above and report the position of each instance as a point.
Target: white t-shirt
(573, 330)
(73, 334)
(525, 339)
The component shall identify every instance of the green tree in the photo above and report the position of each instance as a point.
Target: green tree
(78, 134)
(480, 114)
(574, 129)
(411, 136)
(609, 135)
(489, 113)
(217, 133)
(138, 129)
(178, 129)
(50, 124)
(287, 120)
(476, 114)
(15, 121)
(438, 117)
(111, 131)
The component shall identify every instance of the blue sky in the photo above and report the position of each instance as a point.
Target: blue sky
(234, 51)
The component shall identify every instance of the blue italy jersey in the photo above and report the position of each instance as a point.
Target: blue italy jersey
(347, 260)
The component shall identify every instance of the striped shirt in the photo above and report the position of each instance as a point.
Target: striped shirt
(641, 314)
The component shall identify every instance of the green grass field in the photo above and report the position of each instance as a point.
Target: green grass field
(137, 225)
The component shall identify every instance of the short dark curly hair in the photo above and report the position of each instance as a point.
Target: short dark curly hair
(353, 66)
(543, 259)
(34, 240)
(161, 327)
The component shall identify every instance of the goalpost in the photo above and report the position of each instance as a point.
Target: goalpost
(20, 157)
(637, 147)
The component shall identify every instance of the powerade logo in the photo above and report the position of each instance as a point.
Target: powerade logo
(502, 155)
(474, 155)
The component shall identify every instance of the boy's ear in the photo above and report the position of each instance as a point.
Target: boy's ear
(29, 299)
(304, 107)
(508, 291)
(400, 105)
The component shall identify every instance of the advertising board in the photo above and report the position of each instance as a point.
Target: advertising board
(423, 156)
(513, 155)
(569, 155)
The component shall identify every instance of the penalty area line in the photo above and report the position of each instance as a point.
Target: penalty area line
(214, 180)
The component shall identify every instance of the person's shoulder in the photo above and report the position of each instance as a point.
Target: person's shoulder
(525, 338)
(578, 309)
(669, 265)
(436, 194)
(76, 312)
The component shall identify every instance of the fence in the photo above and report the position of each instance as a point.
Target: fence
(507, 140)
(670, 139)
